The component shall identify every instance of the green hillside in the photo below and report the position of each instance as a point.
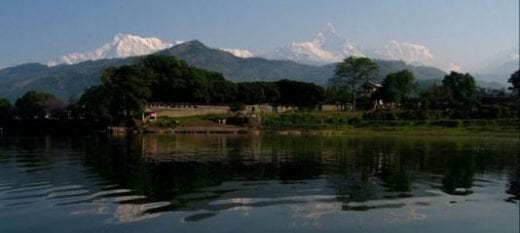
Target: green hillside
(67, 81)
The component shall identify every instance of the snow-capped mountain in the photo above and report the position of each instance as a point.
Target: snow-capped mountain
(408, 52)
(127, 45)
(327, 46)
(122, 45)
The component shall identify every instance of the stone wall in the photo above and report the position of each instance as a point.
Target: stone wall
(182, 110)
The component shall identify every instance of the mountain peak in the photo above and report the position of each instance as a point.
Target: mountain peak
(327, 46)
(122, 45)
(329, 29)
(195, 43)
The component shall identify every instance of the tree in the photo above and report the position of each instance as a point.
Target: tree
(515, 82)
(398, 86)
(341, 95)
(128, 89)
(121, 96)
(6, 109)
(460, 89)
(36, 105)
(94, 105)
(300, 94)
(353, 72)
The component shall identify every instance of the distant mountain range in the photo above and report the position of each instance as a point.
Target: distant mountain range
(328, 46)
(68, 81)
(121, 46)
(500, 68)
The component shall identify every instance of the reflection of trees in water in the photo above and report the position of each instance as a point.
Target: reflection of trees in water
(37, 152)
(121, 161)
(365, 169)
(459, 169)
(358, 169)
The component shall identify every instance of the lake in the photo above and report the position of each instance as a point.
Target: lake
(242, 183)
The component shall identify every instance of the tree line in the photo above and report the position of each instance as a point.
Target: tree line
(124, 91)
(457, 92)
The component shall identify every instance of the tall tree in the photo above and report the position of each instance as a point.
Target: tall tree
(94, 105)
(353, 72)
(460, 89)
(398, 86)
(128, 88)
(515, 82)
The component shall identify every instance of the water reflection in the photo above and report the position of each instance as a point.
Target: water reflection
(195, 172)
(199, 177)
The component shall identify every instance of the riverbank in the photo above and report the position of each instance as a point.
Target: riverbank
(284, 124)
(335, 124)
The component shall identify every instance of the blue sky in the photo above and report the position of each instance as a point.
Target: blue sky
(465, 31)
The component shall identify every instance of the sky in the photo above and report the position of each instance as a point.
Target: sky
(462, 31)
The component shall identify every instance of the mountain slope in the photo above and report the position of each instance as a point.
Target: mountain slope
(66, 81)
(242, 69)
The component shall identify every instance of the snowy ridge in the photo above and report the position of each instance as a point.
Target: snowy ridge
(122, 45)
(327, 46)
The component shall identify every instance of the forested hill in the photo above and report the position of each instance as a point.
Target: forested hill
(67, 81)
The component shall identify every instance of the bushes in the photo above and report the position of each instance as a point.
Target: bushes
(494, 112)
(309, 121)
(299, 120)
(237, 120)
(166, 122)
(355, 121)
(446, 123)
(380, 115)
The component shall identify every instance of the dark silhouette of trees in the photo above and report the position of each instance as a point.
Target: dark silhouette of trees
(37, 105)
(515, 82)
(121, 96)
(6, 109)
(300, 93)
(460, 90)
(398, 86)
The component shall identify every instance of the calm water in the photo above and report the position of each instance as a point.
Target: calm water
(259, 184)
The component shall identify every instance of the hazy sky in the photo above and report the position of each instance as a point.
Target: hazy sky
(463, 31)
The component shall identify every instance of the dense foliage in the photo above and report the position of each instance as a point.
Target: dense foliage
(354, 72)
(125, 90)
(34, 105)
(460, 89)
(6, 109)
(515, 82)
(398, 86)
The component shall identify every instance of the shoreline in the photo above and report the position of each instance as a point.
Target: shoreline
(506, 128)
